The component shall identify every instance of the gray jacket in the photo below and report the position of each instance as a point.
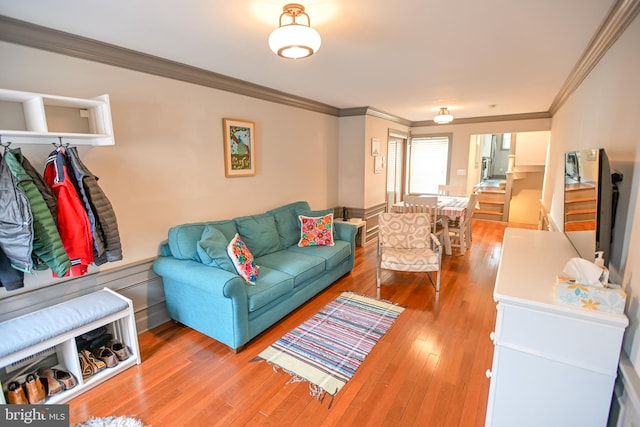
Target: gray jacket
(16, 222)
(104, 227)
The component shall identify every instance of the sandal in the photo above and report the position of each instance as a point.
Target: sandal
(51, 385)
(64, 379)
(89, 364)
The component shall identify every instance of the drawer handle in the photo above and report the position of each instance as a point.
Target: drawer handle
(492, 335)
(488, 373)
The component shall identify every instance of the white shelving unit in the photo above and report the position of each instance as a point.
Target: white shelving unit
(35, 118)
(61, 352)
(553, 364)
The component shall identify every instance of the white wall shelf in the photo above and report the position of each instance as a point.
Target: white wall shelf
(34, 118)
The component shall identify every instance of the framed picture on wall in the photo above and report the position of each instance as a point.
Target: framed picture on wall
(239, 148)
(375, 147)
(377, 164)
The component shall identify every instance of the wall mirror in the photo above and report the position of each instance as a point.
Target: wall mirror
(588, 204)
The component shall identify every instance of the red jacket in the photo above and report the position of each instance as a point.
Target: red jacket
(73, 222)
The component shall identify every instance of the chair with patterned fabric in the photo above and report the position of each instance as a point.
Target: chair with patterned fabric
(460, 230)
(406, 243)
(429, 205)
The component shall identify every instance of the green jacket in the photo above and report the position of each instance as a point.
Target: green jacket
(48, 250)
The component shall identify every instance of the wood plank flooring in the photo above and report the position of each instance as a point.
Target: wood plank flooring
(428, 370)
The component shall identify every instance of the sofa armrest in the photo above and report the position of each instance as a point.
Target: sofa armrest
(345, 231)
(217, 281)
(208, 299)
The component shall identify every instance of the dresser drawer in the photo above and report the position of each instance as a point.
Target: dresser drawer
(577, 341)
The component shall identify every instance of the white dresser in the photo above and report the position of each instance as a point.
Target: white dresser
(554, 365)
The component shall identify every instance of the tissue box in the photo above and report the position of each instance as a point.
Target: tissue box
(610, 299)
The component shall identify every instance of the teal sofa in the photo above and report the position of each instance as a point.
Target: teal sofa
(204, 293)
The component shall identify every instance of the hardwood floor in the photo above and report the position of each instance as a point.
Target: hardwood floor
(428, 370)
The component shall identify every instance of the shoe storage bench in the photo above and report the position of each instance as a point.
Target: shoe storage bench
(52, 331)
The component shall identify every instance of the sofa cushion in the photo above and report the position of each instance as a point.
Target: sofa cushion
(316, 230)
(183, 239)
(301, 266)
(242, 260)
(287, 222)
(333, 255)
(259, 232)
(212, 249)
(271, 285)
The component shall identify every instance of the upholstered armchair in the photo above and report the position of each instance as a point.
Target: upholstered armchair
(406, 243)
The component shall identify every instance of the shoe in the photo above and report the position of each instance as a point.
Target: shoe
(51, 385)
(15, 394)
(101, 341)
(107, 356)
(91, 335)
(119, 349)
(35, 389)
(64, 379)
(89, 364)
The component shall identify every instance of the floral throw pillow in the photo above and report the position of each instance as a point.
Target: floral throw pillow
(242, 260)
(316, 230)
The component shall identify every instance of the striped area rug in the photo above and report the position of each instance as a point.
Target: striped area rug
(327, 349)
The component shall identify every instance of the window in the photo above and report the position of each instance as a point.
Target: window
(428, 164)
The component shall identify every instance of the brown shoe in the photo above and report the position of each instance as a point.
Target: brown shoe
(35, 390)
(89, 364)
(63, 380)
(107, 356)
(119, 349)
(66, 378)
(15, 394)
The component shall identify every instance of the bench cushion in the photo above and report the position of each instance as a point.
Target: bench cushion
(33, 328)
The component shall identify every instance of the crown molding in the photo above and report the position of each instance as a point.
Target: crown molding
(36, 36)
(487, 119)
(618, 19)
(371, 111)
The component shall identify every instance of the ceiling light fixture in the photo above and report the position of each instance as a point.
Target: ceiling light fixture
(294, 40)
(443, 116)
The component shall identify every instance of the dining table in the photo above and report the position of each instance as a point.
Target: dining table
(453, 207)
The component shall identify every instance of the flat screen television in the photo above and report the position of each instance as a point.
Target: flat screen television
(590, 198)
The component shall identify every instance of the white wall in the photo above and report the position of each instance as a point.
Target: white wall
(604, 112)
(351, 150)
(167, 165)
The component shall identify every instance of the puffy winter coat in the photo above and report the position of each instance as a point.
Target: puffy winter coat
(48, 250)
(106, 238)
(73, 222)
(10, 278)
(16, 227)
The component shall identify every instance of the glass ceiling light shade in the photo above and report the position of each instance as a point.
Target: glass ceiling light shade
(443, 116)
(294, 40)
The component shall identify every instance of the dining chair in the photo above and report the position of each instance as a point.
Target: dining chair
(429, 205)
(405, 243)
(450, 190)
(460, 230)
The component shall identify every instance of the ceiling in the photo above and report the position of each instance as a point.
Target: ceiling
(403, 57)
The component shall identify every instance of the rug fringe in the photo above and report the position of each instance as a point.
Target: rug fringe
(375, 298)
(315, 390)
